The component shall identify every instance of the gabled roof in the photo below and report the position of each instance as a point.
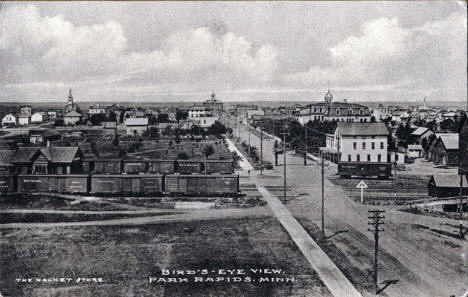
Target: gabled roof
(24, 154)
(420, 131)
(450, 141)
(60, 154)
(362, 129)
(6, 157)
(448, 180)
(73, 114)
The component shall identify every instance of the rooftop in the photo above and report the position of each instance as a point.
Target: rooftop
(362, 129)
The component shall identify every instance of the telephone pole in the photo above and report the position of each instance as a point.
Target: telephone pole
(305, 146)
(261, 151)
(460, 171)
(323, 195)
(284, 162)
(248, 129)
(375, 223)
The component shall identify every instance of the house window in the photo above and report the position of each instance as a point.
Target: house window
(373, 145)
(363, 145)
(354, 145)
(349, 158)
(379, 158)
(381, 145)
(358, 158)
(368, 158)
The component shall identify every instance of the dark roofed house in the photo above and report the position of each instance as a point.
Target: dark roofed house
(420, 133)
(446, 185)
(445, 151)
(48, 160)
(6, 167)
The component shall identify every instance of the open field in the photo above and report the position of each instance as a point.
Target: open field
(386, 192)
(7, 218)
(43, 201)
(125, 257)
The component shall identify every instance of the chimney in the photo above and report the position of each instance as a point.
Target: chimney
(48, 143)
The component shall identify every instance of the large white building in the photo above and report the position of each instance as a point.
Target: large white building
(358, 142)
(330, 110)
(96, 109)
(202, 116)
(39, 117)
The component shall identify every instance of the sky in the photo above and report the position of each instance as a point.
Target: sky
(181, 51)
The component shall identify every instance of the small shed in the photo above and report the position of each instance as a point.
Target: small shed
(446, 185)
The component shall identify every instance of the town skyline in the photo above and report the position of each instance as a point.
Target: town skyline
(373, 52)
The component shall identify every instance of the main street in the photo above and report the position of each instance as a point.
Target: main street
(425, 264)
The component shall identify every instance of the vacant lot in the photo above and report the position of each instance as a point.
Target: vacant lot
(7, 218)
(43, 201)
(126, 256)
(381, 192)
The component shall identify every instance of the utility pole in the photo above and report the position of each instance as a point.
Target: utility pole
(248, 129)
(284, 163)
(235, 125)
(375, 223)
(305, 146)
(261, 151)
(323, 195)
(460, 171)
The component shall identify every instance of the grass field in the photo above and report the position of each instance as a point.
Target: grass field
(43, 201)
(6, 218)
(126, 256)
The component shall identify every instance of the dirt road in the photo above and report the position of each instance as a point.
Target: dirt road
(425, 264)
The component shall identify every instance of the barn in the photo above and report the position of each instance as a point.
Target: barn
(446, 185)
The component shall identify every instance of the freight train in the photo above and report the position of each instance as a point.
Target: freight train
(147, 184)
(139, 166)
(362, 169)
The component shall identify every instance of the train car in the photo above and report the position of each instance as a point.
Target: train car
(219, 166)
(364, 170)
(72, 183)
(134, 166)
(37, 183)
(106, 183)
(161, 166)
(200, 185)
(134, 184)
(109, 166)
(7, 183)
(151, 184)
(189, 166)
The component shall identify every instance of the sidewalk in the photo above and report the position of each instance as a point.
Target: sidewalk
(244, 164)
(331, 276)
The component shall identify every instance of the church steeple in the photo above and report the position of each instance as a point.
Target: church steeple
(70, 97)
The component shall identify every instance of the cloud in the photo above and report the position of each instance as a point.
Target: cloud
(388, 54)
(41, 48)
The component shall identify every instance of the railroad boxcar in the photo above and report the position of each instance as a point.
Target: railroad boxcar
(151, 184)
(197, 184)
(362, 169)
(110, 166)
(37, 183)
(161, 166)
(106, 183)
(189, 166)
(7, 184)
(74, 183)
(134, 166)
(219, 166)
